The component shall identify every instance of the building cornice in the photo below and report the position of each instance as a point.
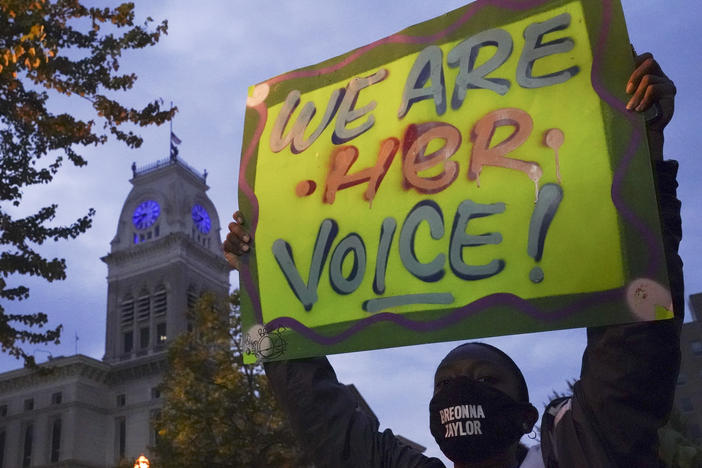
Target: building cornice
(81, 366)
(139, 368)
(59, 368)
(153, 168)
(156, 248)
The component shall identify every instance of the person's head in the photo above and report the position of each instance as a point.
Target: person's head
(480, 407)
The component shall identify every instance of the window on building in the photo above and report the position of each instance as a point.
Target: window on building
(56, 398)
(160, 303)
(121, 400)
(128, 341)
(3, 413)
(686, 404)
(2, 447)
(155, 414)
(155, 393)
(161, 336)
(55, 440)
(696, 347)
(121, 432)
(27, 445)
(29, 404)
(127, 311)
(144, 338)
(192, 297)
(143, 307)
(157, 231)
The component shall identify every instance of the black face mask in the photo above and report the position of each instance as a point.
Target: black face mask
(472, 421)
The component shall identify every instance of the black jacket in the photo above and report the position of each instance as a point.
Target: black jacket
(625, 392)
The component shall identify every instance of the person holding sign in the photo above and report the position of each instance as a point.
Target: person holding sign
(480, 408)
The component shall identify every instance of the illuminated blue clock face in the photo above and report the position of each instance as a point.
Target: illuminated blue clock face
(146, 214)
(201, 219)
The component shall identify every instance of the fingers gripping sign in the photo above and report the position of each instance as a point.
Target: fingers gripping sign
(649, 85)
(654, 93)
(237, 242)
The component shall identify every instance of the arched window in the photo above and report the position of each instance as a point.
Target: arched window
(143, 305)
(127, 310)
(160, 301)
(192, 297)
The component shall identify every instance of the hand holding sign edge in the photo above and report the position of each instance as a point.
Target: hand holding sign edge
(238, 241)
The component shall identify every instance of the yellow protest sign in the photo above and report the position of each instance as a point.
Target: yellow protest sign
(472, 175)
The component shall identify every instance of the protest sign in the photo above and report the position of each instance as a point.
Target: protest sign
(473, 175)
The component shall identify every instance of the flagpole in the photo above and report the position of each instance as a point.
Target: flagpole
(170, 135)
(174, 142)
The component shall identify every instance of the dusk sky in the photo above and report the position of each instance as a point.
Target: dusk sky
(213, 52)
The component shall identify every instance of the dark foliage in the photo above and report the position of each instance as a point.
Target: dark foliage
(50, 50)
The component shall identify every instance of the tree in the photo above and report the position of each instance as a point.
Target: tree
(51, 50)
(678, 449)
(218, 412)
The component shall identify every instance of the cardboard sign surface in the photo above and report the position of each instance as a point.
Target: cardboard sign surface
(473, 175)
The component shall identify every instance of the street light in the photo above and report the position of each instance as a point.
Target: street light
(142, 462)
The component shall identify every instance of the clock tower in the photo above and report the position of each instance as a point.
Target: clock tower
(165, 254)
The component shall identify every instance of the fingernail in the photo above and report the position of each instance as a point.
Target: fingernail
(629, 105)
(244, 247)
(246, 238)
(629, 88)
